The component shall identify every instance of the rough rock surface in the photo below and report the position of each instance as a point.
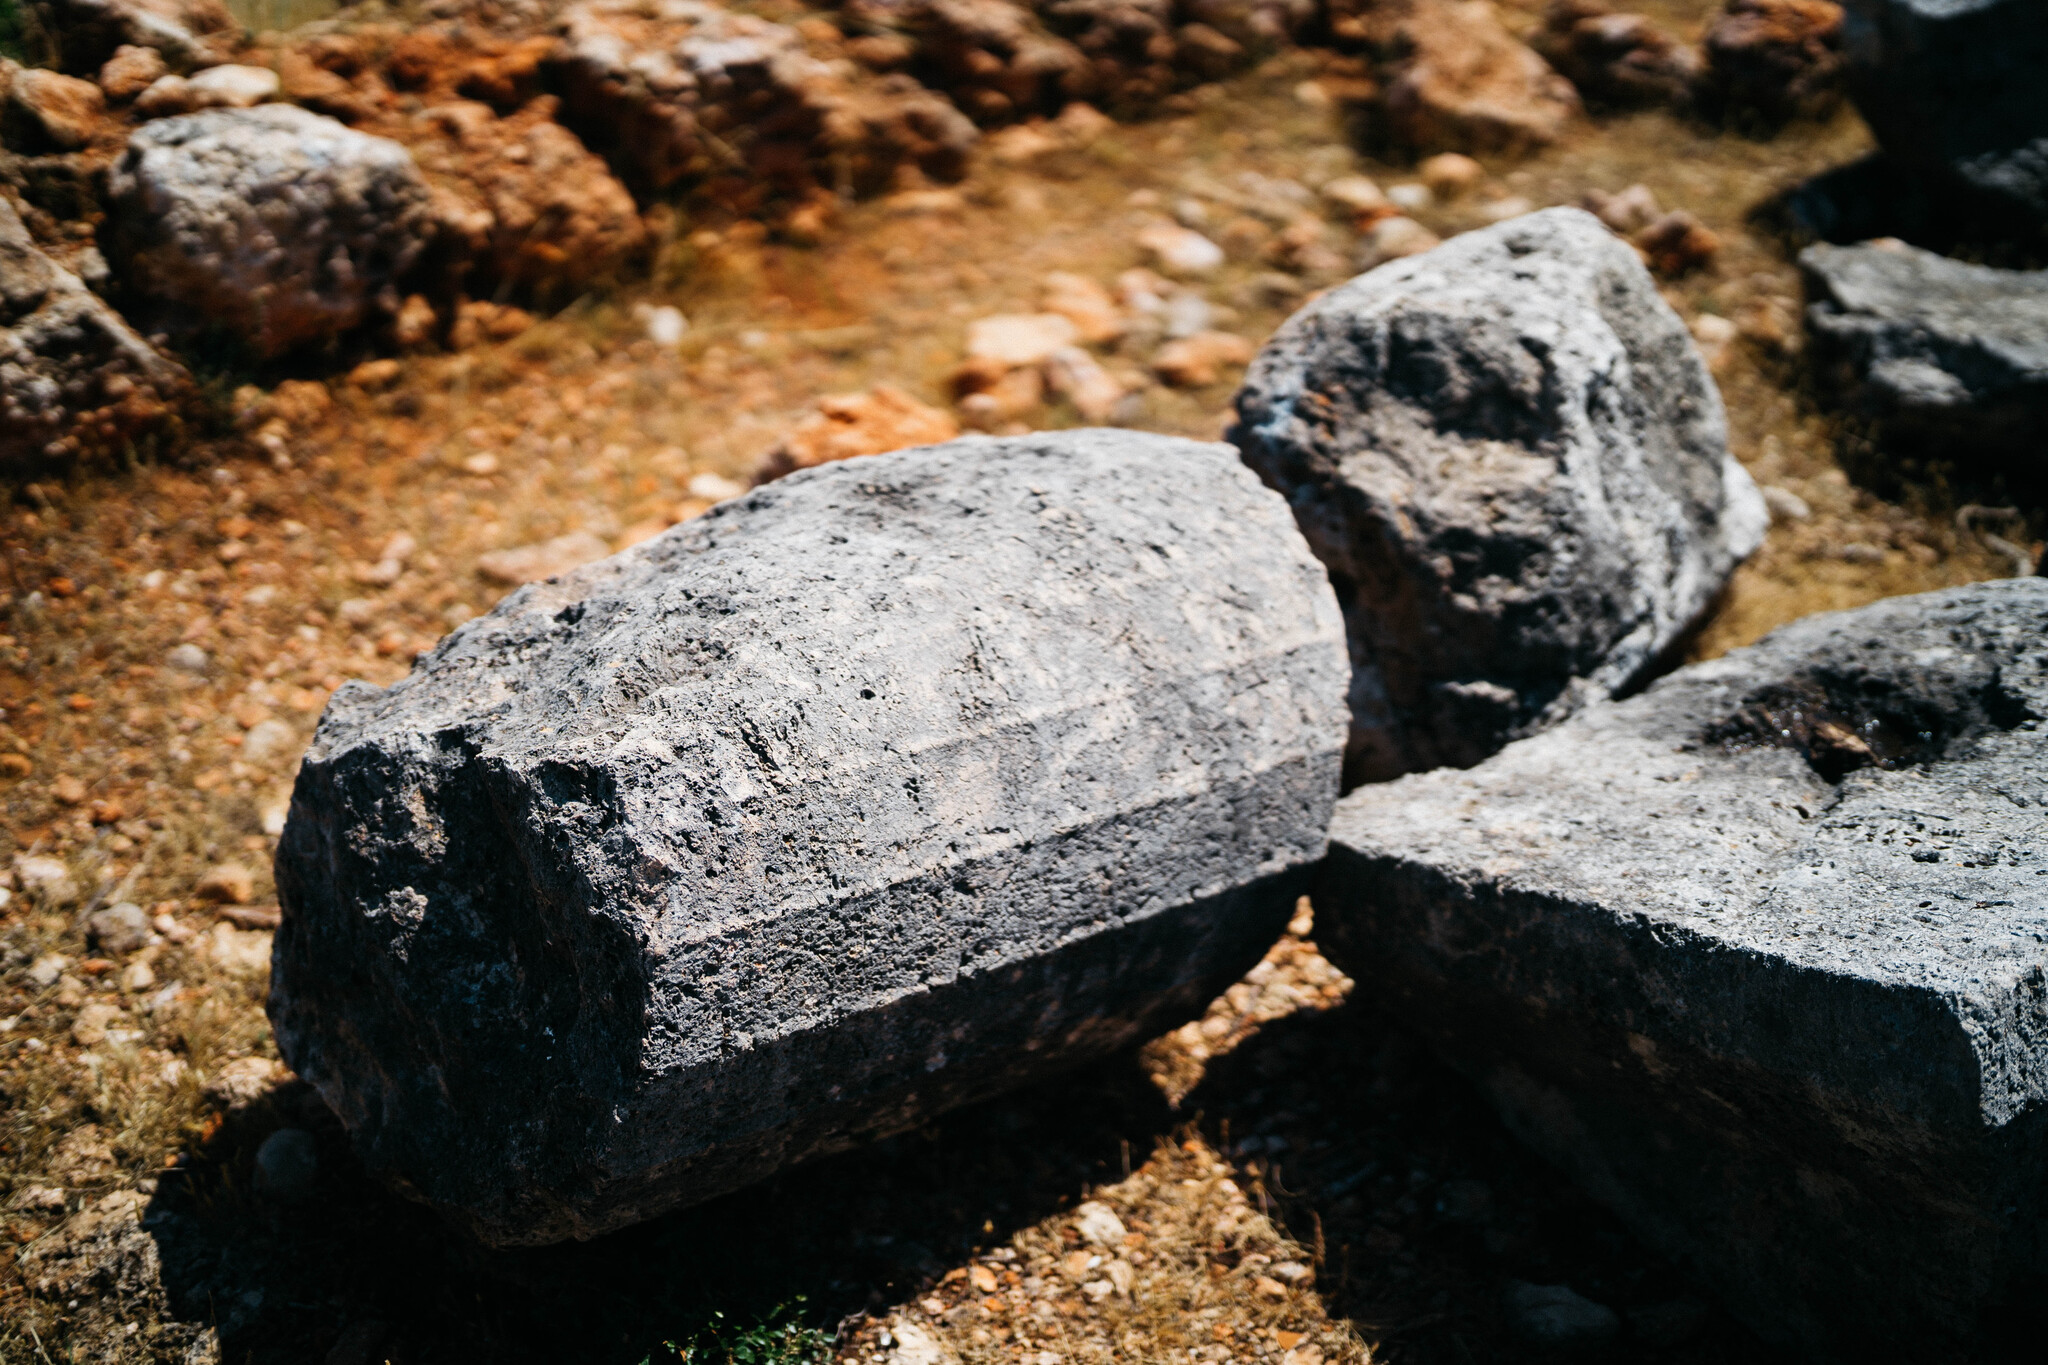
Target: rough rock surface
(75, 380)
(280, 224)
(1759, 957)
(1943, 355)
(48, 111)
(867, 793)
(1512, 458)
(1953, 89)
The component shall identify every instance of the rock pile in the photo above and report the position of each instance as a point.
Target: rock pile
(1515, 464)
(1942, 356)
(871, 792)
(1758, 957)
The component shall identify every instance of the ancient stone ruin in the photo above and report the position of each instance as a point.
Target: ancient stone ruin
(885, 787)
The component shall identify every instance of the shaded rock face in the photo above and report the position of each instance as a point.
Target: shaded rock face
(1515, 464)
(680, 91)
(279, 224)
(1759, 957)
(187, 32)
(873, 791)
(1775, 59)
(1942, 355)
(75, 379)
(1954, 90)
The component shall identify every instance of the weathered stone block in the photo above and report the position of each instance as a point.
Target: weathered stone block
(876, 790)
(1512, 458)
(1945, 357)
(1758, 956)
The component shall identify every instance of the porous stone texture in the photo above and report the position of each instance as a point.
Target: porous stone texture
(1942, 355)
(1512, 458)
(279, 224)
(1954, 91)
(1758, 956)
(75, 379)
(876, 790)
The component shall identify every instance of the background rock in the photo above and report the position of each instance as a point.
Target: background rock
(75, 379)
(276, 223)
(1617, 59)
(188, 33)
(1777, 59)
(1456, 80)
(1954, 93)
(1758, 957)
(1512, 459)
(1946, 357)
(873, 791)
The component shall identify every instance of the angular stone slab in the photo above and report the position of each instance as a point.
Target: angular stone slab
(1758, 956)
(1512, 458)
(889, 785)
(1944, 356)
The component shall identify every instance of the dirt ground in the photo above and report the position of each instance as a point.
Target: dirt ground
(1294, 1181)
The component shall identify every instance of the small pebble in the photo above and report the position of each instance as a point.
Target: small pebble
(1411, 197)
(187, 658)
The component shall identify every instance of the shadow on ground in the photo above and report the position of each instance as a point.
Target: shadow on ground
(1365, 1148)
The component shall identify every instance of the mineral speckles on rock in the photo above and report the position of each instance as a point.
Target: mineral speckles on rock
(1513, 460)
(277, 223)
(1758, 956)
(878, 789)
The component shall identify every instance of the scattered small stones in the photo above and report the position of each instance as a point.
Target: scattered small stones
(845, 426)
(543, 560)
(243, 1081)
(1178, 250)
(1198, 361)
(226, 884)
(119, 929)
(1390, 239)
(47, 879)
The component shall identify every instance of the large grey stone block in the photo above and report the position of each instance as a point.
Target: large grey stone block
(879, 789)
(1758, 956)
(1512, 458)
